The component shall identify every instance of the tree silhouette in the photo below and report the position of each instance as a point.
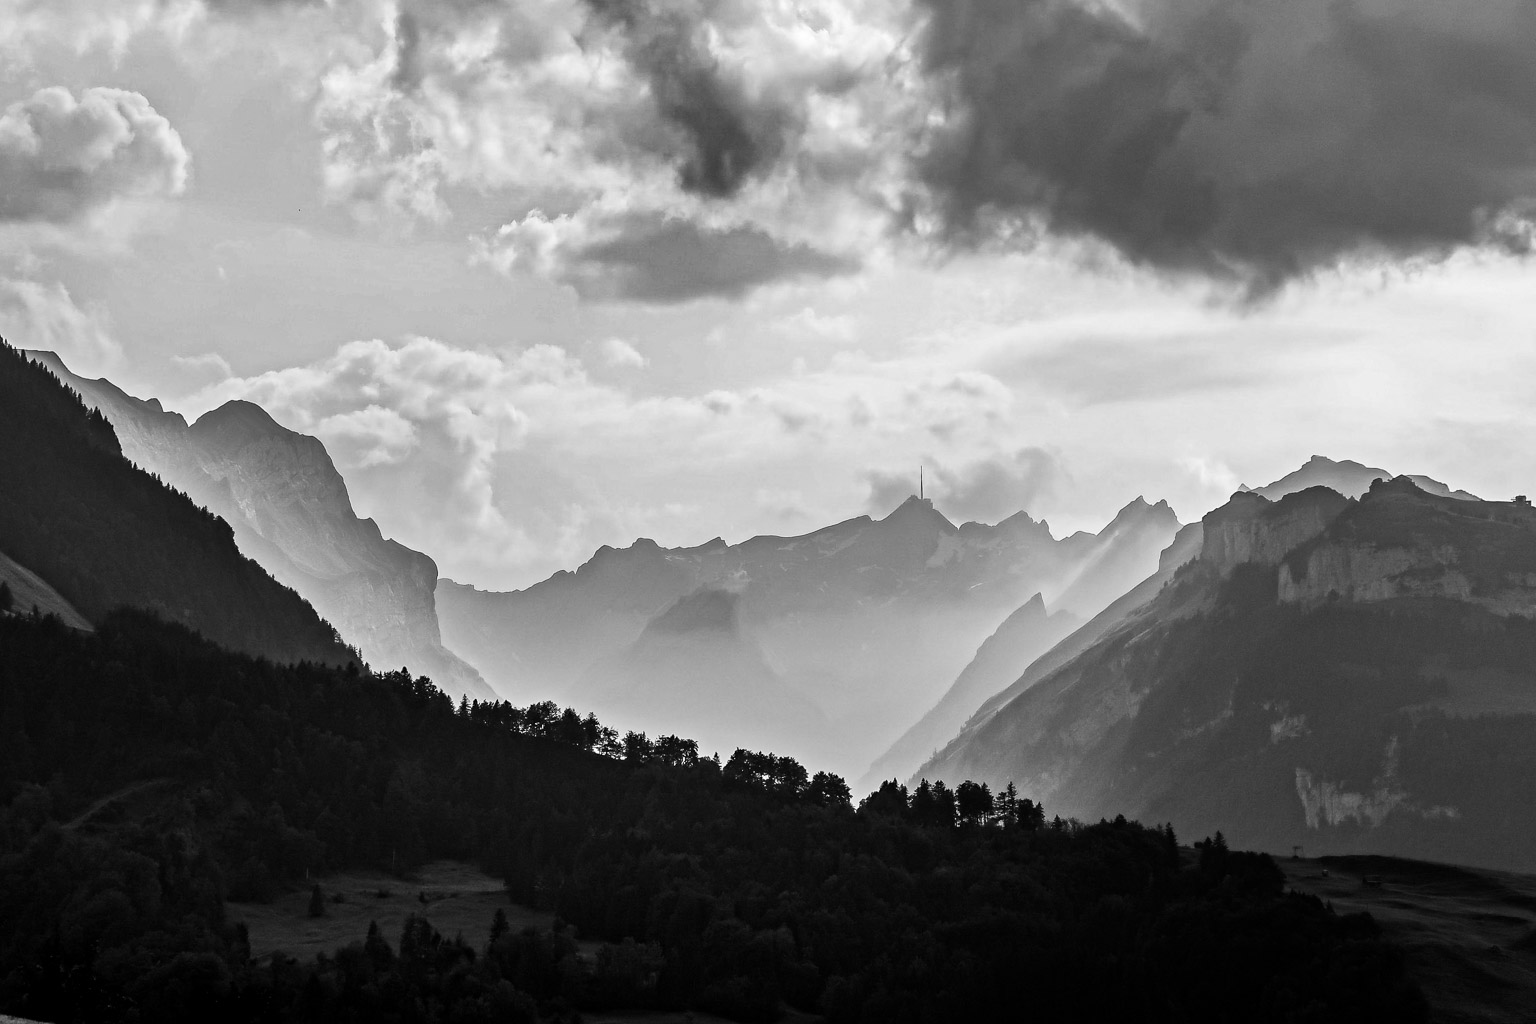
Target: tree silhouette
(6, 598)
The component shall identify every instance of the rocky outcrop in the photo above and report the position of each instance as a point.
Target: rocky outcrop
(1252, 529)
(290, 511)
(1351, 572)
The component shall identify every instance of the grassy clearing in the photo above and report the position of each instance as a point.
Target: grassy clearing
(457, 898)
(1469, 934)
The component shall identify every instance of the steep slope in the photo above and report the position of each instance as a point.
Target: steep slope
(290, 511)
(30, 591)
(693, 672)
(1348, 478)
(1347, 675)
(104, 533)
(868, 619)
(1023, 636)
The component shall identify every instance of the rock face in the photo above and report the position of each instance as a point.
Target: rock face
(1435, 549)
(1253, 529)
(868, 620)
(290, 511)
(1371, 688)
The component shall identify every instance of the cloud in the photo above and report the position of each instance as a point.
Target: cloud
(726, 135)
(993, 489)
(807, 323)
(745, 143)
(888, 490)
(1248, 141)
(44, 316)
(986, 490)
(205, 362)
(63, 158)
(655, 259)
(370, 436)
(447, 410)
(620, 354)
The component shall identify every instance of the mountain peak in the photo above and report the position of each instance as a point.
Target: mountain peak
(1140, 508)
(240, 422)
(920, 510)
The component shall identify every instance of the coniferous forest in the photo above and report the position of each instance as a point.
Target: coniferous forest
(747, 888)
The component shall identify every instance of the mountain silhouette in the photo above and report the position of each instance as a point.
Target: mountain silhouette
(693, 672)
(104, 533)
(291, 512)
(870, 620)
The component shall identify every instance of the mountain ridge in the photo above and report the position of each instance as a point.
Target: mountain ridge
(1371, 718)
(291, 511)
(870, 618)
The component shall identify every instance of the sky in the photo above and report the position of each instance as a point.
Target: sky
(550, 274)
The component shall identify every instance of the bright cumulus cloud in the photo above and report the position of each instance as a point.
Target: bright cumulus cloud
(63, 157)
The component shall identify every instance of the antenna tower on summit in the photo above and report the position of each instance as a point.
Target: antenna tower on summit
(920, 482)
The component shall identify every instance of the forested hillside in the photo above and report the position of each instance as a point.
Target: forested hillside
(105, 534)
(744, 888)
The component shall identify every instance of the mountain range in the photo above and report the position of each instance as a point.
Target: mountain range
(1337, 673)
(290, 511)
(867, 621)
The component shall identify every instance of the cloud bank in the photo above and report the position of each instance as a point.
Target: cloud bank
(63, 158)
(1240, 139)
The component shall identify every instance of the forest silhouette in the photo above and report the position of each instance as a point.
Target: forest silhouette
(742, 888)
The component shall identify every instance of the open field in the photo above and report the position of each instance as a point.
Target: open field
(460, 900)
(1469, 934)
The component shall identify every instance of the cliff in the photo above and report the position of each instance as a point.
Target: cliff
(1252, 529)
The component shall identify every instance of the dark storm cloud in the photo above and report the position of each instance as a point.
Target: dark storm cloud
(407, 74)
(729, 135)
(665, 260)
(1246, 139)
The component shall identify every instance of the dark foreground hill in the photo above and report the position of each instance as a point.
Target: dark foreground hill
(105, 534)
(146, 774)
(1469, 935)
(1353, 676)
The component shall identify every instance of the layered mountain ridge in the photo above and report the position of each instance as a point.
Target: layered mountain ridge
(291, 512)
(1344, 674)
(720, 689)
(868, 619)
